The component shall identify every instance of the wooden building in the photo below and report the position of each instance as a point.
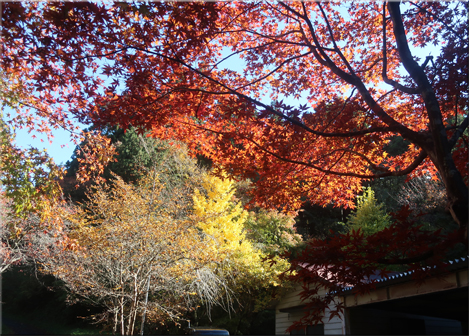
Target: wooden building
(397, 306)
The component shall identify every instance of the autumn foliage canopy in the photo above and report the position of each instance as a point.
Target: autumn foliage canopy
(321, 89)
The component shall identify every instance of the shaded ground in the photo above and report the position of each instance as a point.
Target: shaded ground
(13, 326)
(33, 304)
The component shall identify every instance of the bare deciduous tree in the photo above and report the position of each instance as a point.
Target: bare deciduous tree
(130, 245)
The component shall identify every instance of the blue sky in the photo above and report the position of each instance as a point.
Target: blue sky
(60, 149)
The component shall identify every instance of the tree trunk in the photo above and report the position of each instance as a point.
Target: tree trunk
(116, 322)
(145, 305)
(457, 193)
(133, 309)
(436, 142)
(122, 317)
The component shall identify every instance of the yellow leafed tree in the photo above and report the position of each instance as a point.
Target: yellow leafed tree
(222, 220)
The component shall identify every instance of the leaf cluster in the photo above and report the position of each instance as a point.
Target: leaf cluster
(370, 216)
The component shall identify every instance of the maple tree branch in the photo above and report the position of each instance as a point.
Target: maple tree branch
(186, 88)
(427, 59)
(372, 65)
(324, 60)
(387, 93)
(288, 8)
(439, 146)
(327, 171)
(318, 133)
(363, 156)
(405, 171)
(273, 71)
(412, 67)
(199, 105)
(275, 9)
(308, 43)
(94, 56)
(336, 48)
(239, 52)
(456, 108)
(384, 74)
(258, 103)
(459, 132)
(439, 20)
(341, 110)
(273, 39)
(343, 154)
(321, 56)
(239, 15)
(336, 161)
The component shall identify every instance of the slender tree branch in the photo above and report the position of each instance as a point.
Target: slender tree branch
(273, 39)
(439, 20)
(239, 52)
(94, 56)
(384, 74)
(427, 59)
(258, 103)
(336, 48)
(459, 132)
(418, 160)
(324, 60)
(273, 71)
(372, 65)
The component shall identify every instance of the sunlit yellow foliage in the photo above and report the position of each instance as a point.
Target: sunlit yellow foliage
(222, 220)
